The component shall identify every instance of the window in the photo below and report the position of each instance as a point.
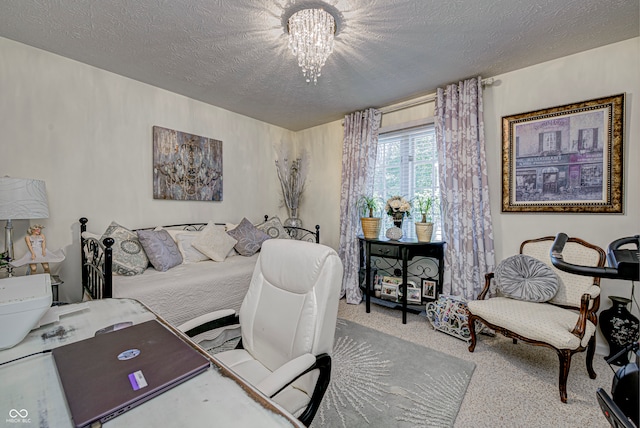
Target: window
(407, 164)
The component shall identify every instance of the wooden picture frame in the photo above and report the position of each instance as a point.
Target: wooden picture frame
(429, 289)
(565, 159)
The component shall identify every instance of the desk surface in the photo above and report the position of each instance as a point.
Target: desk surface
(31, 385)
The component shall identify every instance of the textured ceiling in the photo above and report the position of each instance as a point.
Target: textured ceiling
(233, 53)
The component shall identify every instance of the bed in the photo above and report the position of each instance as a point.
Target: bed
(181, 293)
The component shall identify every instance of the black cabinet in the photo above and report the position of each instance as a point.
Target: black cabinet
(398, 253)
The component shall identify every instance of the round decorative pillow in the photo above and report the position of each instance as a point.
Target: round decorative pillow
(524, 277)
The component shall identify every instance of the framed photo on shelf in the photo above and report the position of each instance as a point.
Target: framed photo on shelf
(389, 291)
(429, 289)
(565, 159)
(413, 294)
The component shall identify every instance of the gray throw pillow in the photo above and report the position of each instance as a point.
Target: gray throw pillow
(129, 257)
(249, 238)
(160, 248)
(274, 228)
(524, 277)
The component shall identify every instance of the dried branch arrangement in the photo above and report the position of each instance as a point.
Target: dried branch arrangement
(292, 175)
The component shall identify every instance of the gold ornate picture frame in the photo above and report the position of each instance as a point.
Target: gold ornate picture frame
(565, 159)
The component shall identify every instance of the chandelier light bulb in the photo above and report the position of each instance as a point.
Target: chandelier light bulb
(311, 34)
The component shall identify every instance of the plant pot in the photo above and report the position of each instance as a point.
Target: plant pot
(424, 231)
(370, 227)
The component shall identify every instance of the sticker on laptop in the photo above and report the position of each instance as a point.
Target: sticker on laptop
(137, 380)
(128, 354)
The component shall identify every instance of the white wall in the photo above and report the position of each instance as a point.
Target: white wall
(88, 134)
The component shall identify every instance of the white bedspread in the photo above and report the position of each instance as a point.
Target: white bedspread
(190, 290)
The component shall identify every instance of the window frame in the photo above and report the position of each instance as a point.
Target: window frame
(408, 175)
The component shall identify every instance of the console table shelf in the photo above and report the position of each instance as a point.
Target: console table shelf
(399, 252)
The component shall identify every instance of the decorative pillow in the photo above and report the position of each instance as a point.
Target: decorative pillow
(128, 255)
(249, 238)
(524, 277)
(160, 248)
(214, 242)
(190, 254)
(273, 227)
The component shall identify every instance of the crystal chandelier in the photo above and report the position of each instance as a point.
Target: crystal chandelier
(311, 40)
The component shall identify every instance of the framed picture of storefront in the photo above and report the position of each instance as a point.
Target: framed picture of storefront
(564, 159)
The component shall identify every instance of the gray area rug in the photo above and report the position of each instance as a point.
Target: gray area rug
(383, 381)
(378, 380)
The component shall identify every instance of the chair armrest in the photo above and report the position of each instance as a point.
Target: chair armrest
(206, 318)
(593, 291)
(286, 374)
(487, 284)
(585, 312)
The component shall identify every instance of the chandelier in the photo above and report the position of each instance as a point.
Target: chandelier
(311, 40)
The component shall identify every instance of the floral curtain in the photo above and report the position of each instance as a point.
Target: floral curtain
(464, 188)
(359, 148)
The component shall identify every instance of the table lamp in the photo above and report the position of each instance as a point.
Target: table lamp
(20, 199)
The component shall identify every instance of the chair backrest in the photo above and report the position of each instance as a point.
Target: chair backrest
(576, 251)
(291, 306)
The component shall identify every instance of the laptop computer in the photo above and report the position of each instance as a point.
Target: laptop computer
(106, 375)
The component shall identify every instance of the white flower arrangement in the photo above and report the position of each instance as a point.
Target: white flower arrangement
(398, 204)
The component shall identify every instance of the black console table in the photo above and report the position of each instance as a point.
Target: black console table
(402, 250)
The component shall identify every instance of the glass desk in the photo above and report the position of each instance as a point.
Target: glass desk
(32, 395)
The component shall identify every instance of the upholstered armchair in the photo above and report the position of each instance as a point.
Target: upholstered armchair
(536, 303)
(287, 321)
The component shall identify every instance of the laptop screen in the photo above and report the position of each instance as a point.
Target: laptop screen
(110, 373)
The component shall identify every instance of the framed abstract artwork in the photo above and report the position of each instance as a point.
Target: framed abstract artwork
(186, 167)
(564, 159)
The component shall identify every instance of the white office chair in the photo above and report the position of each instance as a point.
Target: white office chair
(287, 320)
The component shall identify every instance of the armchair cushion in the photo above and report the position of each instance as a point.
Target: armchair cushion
(523, 277)
(538, 321)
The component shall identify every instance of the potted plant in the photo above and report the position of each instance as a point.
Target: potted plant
(423, 203)
(368, 205)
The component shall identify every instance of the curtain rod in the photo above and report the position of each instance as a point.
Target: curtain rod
(421, 100)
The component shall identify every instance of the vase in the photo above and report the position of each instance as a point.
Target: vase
(293, 220)
(619, 327)
(397, 219)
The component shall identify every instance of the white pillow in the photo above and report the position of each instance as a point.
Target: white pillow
(214, 242)
(87, 235)
(185, 245)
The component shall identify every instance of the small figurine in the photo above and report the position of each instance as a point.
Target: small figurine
(37, 244)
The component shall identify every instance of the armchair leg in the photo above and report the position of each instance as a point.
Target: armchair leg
(472, 329)
(565, 364)
(591, 350)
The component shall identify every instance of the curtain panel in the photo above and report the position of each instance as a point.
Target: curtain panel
(359, 149)
(464, 188)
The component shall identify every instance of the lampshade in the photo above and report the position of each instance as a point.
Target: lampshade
(23, 199)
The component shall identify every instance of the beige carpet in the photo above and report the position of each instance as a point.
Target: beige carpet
(512, 385)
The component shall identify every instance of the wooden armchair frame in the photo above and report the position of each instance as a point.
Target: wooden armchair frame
(588, 307)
